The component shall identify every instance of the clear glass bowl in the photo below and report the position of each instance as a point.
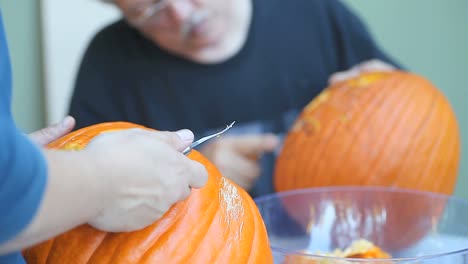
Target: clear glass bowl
(412, 226)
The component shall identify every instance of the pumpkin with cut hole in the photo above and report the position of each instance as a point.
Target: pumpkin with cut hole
(218, 223)
(392, 129)
(383, 128)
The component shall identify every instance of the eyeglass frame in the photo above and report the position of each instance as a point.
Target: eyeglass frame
(149, 11)
(154, 8)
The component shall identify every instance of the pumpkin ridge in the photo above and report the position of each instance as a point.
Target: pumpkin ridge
(292, 181)
(330, 139)
(239, 253)
(205, 240)
(252, 256)
(311, 109)
(187, 254)
(58, 249)
(216, 249)
(319, 160)
(48, 258)
(259, 227)
(121, 242)
(454, 159)
(316, 115)
(109, 250)
(433, 156)
(105, 237)
(155, 249)
(328, 136)
(444, 162)
(293, 169)
(385, 131)
(456, 147)
(161, 235)
(40, 253)
(299, 127)
(412, 148)
(251, 235)
(435, 160)
(378, 132)
(401, 110)
(381, 99)
(360, 120)
(254, 238)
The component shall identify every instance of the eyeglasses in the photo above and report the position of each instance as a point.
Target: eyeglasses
(139, 15)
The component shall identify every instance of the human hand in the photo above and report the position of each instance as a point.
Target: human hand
(366, 66)
(146, 174)
(46, 135)
(237, 156)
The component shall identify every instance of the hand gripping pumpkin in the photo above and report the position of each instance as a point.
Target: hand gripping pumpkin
(392, 129)
(217, 224)
(387, 129)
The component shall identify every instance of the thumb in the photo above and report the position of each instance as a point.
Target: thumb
(375, 65)
(186, 138)
(343, 75)
(179, 140)
(255, 145)
(46, 135)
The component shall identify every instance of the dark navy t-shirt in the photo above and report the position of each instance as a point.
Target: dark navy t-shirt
(22, 166)
(292, 49)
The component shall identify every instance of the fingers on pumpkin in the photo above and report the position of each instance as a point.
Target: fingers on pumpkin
(179, 140)
(53, 132)
(199, 173)
(375, 65)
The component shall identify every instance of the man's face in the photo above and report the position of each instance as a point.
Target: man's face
(185, 27)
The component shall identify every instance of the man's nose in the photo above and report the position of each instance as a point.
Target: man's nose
(180, 10)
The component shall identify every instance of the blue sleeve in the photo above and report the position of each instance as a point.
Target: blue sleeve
(23, 168)
(355, 43)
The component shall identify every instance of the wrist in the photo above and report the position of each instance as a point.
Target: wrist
(75, 174)
(96, 172)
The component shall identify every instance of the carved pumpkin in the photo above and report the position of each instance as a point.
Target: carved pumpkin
(219, 223)
(387, 129)
(392, 129)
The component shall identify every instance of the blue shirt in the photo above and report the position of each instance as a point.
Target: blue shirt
(23, 168)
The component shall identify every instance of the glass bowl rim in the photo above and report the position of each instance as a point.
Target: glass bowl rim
(329, 189)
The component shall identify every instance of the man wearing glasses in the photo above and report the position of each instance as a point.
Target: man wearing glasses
(204, 63)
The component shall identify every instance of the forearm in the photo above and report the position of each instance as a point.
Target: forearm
(72, 197)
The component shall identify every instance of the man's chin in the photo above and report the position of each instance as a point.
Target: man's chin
(201, 44)
(203, 41)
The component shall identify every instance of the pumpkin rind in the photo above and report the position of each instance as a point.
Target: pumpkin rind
(392, 129)
(383, 129)
(218, 223)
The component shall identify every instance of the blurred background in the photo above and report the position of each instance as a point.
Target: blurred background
(46, 40)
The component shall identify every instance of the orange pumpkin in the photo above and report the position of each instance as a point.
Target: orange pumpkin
(383, 128)
(392, 129)
(219, 223)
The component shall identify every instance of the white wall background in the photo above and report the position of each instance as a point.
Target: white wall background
(67, 27)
